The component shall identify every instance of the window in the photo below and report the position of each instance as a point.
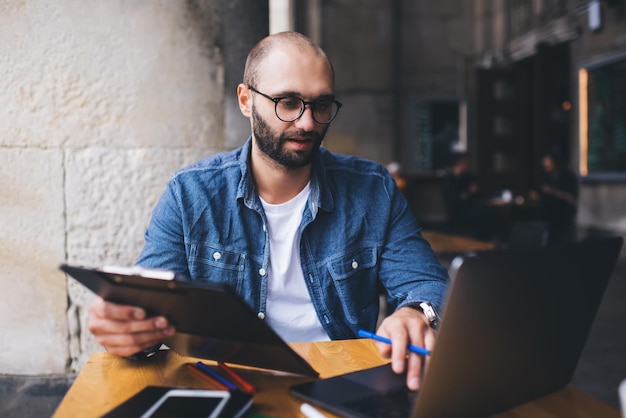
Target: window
(436, 131)
(602, 119)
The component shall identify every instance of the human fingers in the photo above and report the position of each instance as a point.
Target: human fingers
(115, 328)
(415, 365)
(423, 336)
(384, 349)
(129, 337)
(103, 309)
(407, 326)
(393, 328)
(102, 325)
(399, 352)
(402, 358)
(129, 344)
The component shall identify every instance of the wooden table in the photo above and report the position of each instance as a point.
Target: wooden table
(443, 243)
(107, 381)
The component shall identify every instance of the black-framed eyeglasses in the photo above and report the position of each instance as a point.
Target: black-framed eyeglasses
(290, 108)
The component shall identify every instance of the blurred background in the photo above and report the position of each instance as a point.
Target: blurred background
(103, 101)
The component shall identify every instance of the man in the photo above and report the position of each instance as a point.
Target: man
(302, 235)
(557, 194)
(460, 190)
(461, 194)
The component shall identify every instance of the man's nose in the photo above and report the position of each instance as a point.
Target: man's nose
(306, 121)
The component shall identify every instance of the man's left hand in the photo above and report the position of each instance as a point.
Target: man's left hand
(406, 326)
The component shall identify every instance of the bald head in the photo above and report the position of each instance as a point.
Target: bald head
(279, 41)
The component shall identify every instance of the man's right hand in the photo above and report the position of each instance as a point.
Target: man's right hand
(124, 330)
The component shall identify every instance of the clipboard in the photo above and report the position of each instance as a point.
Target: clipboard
(212, 322)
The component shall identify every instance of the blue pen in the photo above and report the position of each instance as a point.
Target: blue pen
(375, 337)
(215, 375)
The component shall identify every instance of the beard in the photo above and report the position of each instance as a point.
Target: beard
(273, 145)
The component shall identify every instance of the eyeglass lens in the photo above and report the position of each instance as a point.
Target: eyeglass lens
(289, 109)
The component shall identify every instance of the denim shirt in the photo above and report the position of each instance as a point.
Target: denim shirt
(356, 230)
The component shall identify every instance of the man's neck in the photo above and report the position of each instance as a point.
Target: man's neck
(276, 183)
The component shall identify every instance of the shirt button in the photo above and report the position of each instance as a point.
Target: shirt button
(264, 228)
(262, 272)
(355, 264)
(261, 315)
(216, 255)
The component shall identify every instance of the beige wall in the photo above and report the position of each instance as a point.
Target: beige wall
(101, 101)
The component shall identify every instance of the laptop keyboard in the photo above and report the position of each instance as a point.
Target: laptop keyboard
(395, 403)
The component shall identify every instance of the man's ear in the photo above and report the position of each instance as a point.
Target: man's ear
(245, 100)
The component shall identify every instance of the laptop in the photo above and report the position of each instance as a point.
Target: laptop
(514, 327)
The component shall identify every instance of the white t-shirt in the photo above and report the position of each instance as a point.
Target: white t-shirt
(289, 310)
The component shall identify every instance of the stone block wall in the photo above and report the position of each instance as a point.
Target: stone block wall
(101, 102)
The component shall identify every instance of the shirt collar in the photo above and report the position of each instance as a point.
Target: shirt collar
(321, 196)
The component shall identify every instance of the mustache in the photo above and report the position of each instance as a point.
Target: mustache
(300, 135)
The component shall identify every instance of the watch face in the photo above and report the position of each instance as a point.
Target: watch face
(430, 313)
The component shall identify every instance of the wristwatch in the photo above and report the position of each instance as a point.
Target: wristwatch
(429, 311)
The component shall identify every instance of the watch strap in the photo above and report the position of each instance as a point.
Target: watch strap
(429, 311)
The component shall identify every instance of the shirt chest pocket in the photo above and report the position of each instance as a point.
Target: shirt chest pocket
(349, 265)
(354, 276)
(214, 264)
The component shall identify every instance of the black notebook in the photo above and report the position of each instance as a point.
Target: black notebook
(211, 321)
